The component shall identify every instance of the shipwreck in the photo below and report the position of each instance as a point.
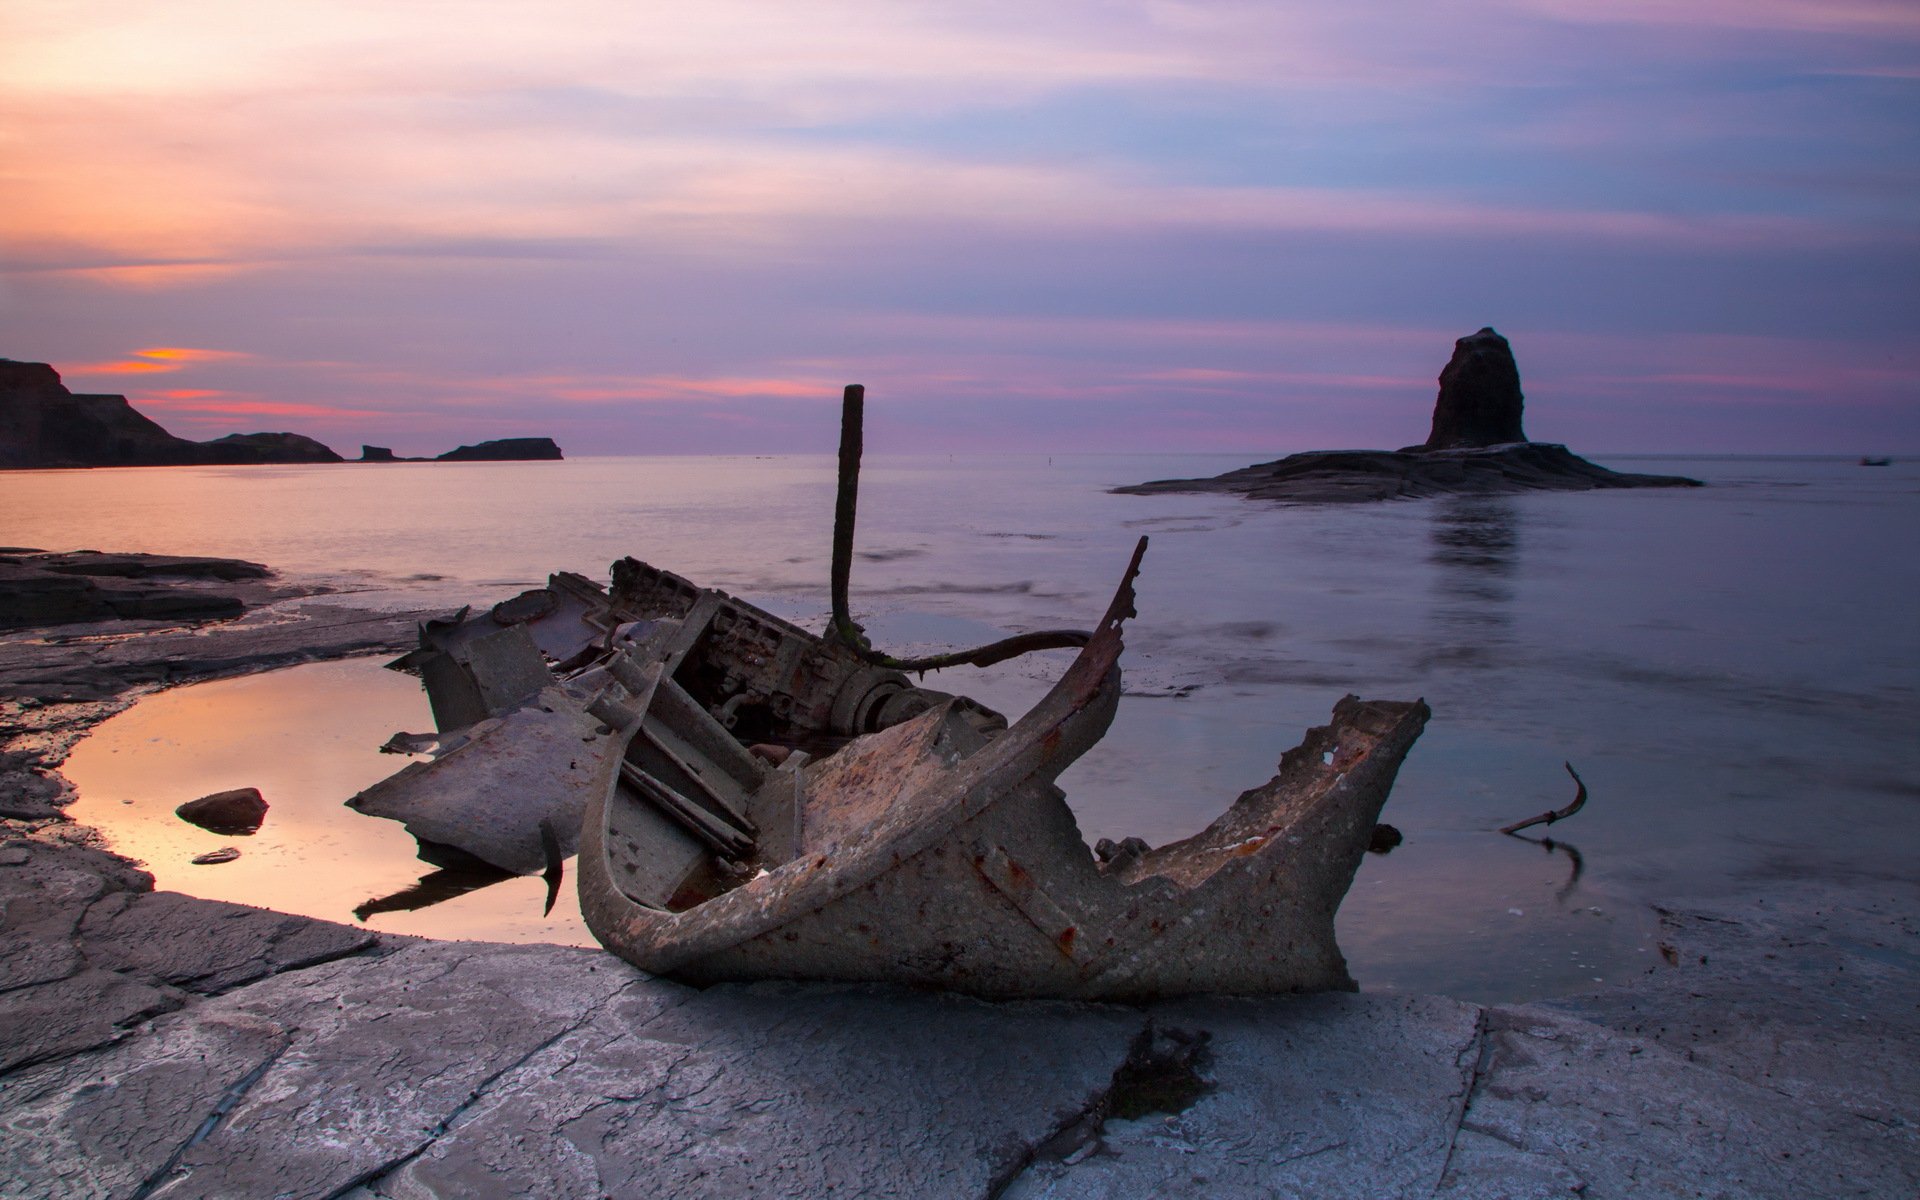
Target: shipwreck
(750, 800)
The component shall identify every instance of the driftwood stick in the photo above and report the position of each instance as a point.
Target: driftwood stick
(846, 503)
(1552, 815)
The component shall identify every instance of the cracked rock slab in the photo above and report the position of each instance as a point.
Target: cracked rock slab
(365, 1061)
(82, 1011)
(1333, 1095)
(382, 1054)
(111, 1124)
(1811, 995)
(44, 892)
(208, 945)
(86, 953)
(1564, 1107)
(783, 1090)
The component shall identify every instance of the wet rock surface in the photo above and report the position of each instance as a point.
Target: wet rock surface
(157, 1045)
(247, 1053)
(89, 951)
(780, 1089)
(1329, 1095)
(42, 589)
(39, 669)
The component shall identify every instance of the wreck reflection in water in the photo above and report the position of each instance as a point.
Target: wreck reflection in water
(307, 737)
(435, 887)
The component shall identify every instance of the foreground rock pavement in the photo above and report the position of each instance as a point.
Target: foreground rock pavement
(164, 1046)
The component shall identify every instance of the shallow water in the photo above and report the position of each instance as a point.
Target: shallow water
(1731, 669)
(307, 737)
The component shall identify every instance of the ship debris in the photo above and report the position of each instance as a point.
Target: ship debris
(750, 800)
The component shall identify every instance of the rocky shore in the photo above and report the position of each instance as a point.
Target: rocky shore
(157, 1045)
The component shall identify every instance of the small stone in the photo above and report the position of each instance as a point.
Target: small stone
(224, 854)
(239, 811)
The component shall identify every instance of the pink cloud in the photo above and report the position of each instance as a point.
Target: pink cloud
(648, 388)
(1333, 379)
(156, 359)
(213, 403)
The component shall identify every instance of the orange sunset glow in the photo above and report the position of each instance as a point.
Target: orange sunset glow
(637, 218)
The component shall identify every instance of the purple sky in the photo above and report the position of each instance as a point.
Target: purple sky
(1245, 227)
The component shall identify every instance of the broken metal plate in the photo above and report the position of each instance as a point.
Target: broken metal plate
(489, 794)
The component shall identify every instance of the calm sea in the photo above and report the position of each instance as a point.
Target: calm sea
(1731, 669)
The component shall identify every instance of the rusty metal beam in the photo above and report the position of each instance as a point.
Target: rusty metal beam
(846, 503)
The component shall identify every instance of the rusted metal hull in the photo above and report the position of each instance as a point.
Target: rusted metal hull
(512, 692)
(934, 852)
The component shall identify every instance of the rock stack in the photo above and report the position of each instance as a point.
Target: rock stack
(1476, 446)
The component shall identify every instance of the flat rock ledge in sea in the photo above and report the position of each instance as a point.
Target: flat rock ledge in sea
(38, 588)
(1333, 476)
(1476, 447)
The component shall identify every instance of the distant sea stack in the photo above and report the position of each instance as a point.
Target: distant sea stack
(1480, 401)
(43, 425)
(1476, 445)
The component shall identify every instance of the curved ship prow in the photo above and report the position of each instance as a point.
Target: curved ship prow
(937, 850)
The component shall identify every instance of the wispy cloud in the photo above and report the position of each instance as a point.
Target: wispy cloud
(214, 404)
(1877, 18)
(183, 355)
(157, 359)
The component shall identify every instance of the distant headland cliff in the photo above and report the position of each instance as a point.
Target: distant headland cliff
(42, 424)
(503, 450)
(1476, 445)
